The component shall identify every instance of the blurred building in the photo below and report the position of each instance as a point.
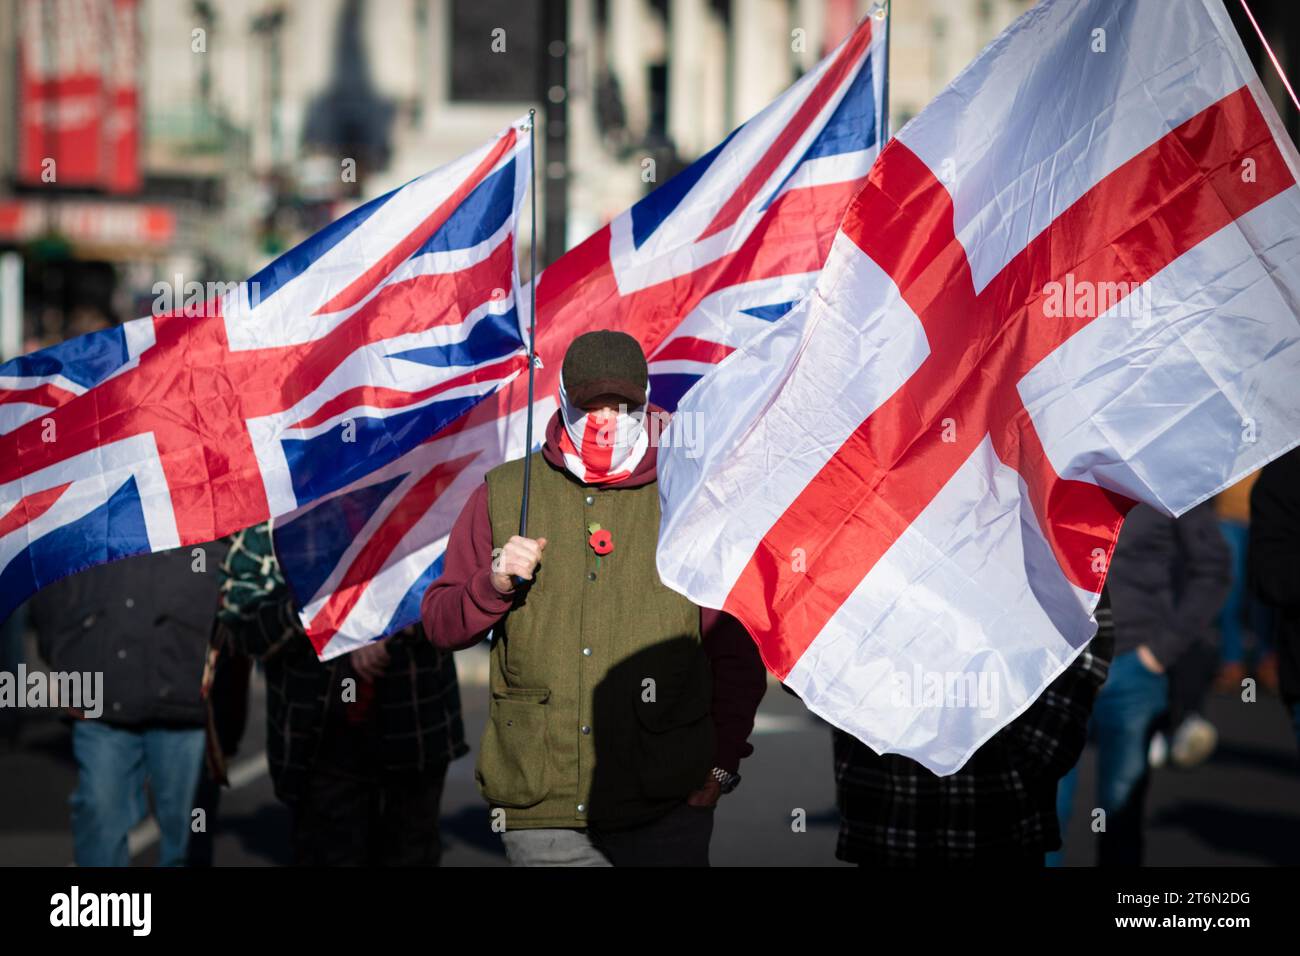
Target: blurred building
(198, 138)
(933, 40)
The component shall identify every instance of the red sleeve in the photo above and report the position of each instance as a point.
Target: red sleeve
(462, 605)
(739, 682)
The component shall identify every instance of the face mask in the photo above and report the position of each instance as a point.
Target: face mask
(596, 452)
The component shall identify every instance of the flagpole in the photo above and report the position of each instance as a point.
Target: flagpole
(883, 136)
(532, 321)
(1272, 57)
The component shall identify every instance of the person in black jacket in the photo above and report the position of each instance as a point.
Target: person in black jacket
(1168, 578)
(143, 623)
(1275, 566)
(359, 745)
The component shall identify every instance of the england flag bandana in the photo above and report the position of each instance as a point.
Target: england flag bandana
(601, 453)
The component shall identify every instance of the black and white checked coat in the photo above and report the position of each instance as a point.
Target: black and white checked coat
(1000, 808)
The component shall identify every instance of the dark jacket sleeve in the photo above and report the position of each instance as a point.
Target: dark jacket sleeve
(462, 605)
(1275, 532)
(1206, 578)
(739, 682)
(266, 630)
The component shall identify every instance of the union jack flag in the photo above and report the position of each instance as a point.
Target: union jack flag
(699, 266)
(337, 358)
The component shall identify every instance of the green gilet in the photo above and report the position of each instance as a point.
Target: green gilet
(601, 689)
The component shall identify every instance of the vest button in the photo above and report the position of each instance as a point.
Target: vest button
(591, 499)
(586, 729)
(582, 808)
(591, 575)
(586, 652)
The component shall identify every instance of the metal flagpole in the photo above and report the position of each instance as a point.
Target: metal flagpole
(1269, 50)
(532, 321)
(883, 136)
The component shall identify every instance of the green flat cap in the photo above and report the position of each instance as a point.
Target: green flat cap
(605, 362)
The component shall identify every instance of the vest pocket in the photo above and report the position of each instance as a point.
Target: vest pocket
(511, 770)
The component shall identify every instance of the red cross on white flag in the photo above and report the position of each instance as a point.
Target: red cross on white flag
(1070, 283)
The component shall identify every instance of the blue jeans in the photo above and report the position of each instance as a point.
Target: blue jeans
(112, 766)
(1232, 651)
(1240, 602)
(1122, 721)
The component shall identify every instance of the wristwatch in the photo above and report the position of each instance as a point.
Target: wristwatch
(728, 779)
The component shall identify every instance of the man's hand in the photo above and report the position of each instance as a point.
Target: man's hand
(1149, 660)
(519, 558)
(370, 661)
(707, 795)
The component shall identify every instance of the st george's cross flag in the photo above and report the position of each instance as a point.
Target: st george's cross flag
(706, 261)
(338, 357)
(1071, 283)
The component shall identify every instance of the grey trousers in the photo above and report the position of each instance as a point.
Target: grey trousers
(679, 838)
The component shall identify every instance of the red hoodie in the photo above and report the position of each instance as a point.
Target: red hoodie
(463, 605)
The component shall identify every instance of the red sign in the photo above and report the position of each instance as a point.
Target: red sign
(91, 222)
(79, 93)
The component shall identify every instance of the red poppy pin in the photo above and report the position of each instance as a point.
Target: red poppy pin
(601, 541)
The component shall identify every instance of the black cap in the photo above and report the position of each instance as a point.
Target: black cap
(605, 363)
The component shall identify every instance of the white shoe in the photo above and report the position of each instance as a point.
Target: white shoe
(1194, 741)
(1158, 754)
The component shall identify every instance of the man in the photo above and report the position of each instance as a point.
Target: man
(1275, 566)
(358, 746)
(142, 623)
(999, 809)
(620, 711)
(1168, 579)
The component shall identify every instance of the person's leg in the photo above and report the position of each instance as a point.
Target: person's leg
(679, 838)
(552, 848)
(1064, 807)
(1192, 738)
(1263, 620)
(173, 760)
(208, 799)
(334, 819)
(11, 655)
(1190, 680)
(1136, 697)
(408, 833)
(107, 801)
(1232, 652)
(1295, 720)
